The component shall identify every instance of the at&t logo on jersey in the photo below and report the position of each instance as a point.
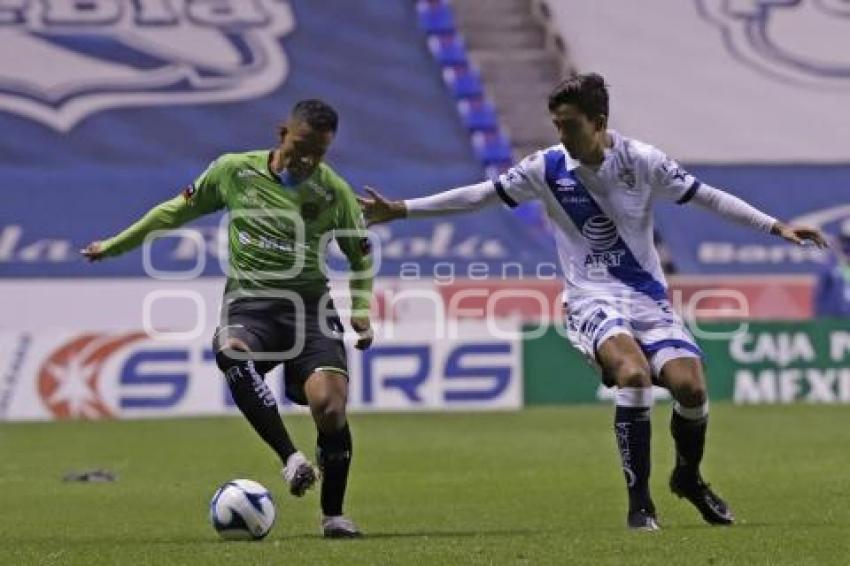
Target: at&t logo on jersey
(800, 41)
(602, 236)
(63, 60)
(600, 232)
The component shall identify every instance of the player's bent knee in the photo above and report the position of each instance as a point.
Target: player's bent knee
(333, 419)
(226, 353)
(625, 368)
(636, 378)
(326, 394)
(328, 412)
(630, 374)
(328, 408)
(692, 393)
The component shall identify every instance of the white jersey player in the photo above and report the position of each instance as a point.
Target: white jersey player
(598, 188)
(604, 234)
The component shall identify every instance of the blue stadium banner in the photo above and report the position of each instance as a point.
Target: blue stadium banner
(111, 106)
(814, 195)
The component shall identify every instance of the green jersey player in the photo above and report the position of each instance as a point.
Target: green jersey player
(284, 207)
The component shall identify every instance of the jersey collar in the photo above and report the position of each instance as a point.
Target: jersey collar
(616, 145)
(271, 171)
(571, 163)
(608, 153)
(284, 179)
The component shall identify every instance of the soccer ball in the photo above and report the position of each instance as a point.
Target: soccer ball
(242, 510)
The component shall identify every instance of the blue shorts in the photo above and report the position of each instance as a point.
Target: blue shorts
(654, 325)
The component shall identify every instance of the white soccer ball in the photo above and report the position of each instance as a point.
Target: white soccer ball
(242, 510)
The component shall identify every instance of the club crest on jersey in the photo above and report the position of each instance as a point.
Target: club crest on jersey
(321, 191)
(774, 37)
(63, 60)
(627, 177)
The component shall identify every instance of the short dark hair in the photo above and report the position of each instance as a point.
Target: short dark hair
(318, 114)
(588, 92)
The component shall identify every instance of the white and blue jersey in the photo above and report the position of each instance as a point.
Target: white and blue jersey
(603, 224)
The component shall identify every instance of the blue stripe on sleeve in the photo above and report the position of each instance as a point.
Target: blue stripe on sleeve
(690, 192)
(500, 190)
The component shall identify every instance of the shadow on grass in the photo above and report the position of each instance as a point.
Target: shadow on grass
(372, 535)
(53, 541)
(745, 525)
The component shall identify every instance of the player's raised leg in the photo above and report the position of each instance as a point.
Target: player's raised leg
(327, 395)
(688, 425)
(623, 362)
(257, 403)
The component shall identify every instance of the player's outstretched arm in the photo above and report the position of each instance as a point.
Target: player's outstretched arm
(741, 212)
(379, 209)
(199, 198)
(800, 235)
(165, 216)
(93, 251)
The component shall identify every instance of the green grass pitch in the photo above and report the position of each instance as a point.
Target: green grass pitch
(540, 486)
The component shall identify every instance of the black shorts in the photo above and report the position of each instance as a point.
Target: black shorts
(276, 332)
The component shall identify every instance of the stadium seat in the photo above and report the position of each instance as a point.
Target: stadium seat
(463, 82)
(448, 50)
(435, 17)
(492, 148)
(493, 171)
(478, 115)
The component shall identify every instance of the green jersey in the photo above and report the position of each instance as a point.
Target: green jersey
(277, 234)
